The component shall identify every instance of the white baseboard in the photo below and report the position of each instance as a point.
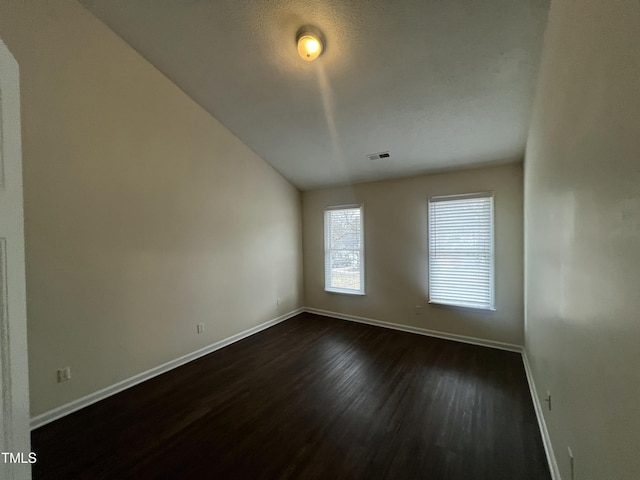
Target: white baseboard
(59, 412)
(63, 410)
(546, 439)
(420, 331)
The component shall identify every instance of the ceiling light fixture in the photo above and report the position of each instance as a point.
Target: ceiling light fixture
(309, 45)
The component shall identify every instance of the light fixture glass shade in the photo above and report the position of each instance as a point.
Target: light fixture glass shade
(309, 46)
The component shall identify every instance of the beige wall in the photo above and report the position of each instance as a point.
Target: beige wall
(582, 195)
(144, 216)
(396, 269)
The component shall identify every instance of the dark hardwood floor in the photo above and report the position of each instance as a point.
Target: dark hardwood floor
(311, 398)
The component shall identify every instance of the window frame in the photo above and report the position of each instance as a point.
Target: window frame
(327, 251)
(431, 232)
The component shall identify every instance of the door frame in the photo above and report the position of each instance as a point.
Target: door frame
(14, 379)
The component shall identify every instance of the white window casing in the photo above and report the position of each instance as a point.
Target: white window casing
(344, 249)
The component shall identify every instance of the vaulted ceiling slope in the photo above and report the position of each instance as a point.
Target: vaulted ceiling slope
(439, 84)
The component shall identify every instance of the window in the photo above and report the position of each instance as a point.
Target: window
(461, 263)
(343, 250)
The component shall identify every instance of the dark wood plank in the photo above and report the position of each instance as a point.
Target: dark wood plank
(312, 398)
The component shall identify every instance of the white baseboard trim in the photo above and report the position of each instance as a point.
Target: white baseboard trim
(64, 410)
(420, 331)
(546, 439)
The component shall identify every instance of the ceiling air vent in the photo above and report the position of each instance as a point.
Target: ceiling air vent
(376, 156)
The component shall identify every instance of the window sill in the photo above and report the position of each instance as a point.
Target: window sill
(344, 292)
(462, 307)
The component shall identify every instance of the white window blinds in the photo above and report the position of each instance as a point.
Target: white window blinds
(461, 257)
(344, 250)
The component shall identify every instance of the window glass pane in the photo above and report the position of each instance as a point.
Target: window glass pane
(345, 269)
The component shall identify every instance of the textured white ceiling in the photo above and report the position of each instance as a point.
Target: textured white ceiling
(438, 83)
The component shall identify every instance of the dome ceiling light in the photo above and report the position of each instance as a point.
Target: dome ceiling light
(310, 44)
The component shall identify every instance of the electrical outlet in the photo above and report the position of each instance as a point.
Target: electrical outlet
(571, 464)
(278, 301)
(64, 374)
(418, 309)
(200, 328)
(548, 400)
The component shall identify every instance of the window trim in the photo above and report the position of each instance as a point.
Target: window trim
(492, 274)
(345, 291)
